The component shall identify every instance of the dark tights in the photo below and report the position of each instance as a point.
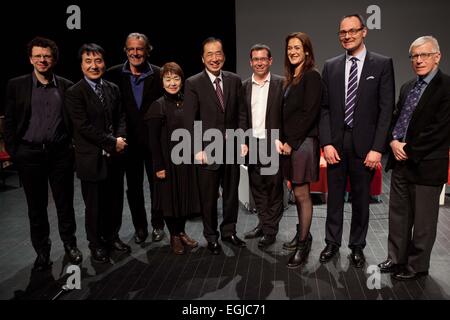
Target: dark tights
(304, 205)
(175, 224)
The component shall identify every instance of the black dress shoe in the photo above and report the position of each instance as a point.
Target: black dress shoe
(100, 255)
(266, 241)
(388, 266)
(255, 233)
(118, 245)
(140, 236)
(157, 234)
(234, 240)
(328, 252)
(42, 262)
(74, 254)
(214, 247)
(407, 275)
(357, 257)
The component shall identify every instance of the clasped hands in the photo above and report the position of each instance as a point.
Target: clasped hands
(372, 160)
(284, 149)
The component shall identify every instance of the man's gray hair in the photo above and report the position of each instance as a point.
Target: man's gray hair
(425, 39)
(139, 36)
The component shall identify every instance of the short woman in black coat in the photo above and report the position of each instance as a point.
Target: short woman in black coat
(176, 190)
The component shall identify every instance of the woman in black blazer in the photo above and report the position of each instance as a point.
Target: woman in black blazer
(176, 190)
(303, 93)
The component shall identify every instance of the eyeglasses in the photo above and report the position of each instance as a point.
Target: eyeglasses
(422, 56)
(262, 59)
(42, 56)
(351, 32)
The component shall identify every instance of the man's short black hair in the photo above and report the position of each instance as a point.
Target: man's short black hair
(90, 48)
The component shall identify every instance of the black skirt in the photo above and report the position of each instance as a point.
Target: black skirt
(303, 165)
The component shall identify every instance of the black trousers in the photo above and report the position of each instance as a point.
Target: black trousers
(413, 218)
(175, 224)
(38, 166)
(209, 182)
(136, 159)
(267, 192)
(360, 176)
(103, 201)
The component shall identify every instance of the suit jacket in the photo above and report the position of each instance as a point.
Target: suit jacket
(92, 133)
(136, 128)
(273, 117)
(428, 135)
(301, 109)
(18, 109)
(274, 104)
(375, 102)
(202, 103)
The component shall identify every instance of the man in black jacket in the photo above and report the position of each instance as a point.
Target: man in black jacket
(354, 123)
(212, 98)
(139, 84)
(38, 138)
(260, 110)
(99, 137)
(419, 140)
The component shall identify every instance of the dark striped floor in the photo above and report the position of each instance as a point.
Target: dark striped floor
(152, 272)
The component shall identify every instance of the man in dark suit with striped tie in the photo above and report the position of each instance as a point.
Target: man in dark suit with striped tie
(355, 117)
(99, 137)
(212, 97)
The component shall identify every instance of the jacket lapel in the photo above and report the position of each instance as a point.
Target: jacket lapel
(341, 80)
(27, 95)
(367, 67)
(226, 90)
(211, 91)
(270, 97)
(426, 96)
(248, 100)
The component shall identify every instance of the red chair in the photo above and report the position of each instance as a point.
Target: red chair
(321, 186)
(5, 157)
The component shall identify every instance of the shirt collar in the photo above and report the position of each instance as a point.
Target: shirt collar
(360, 56)
(148, 70)
(267, 79)
(429, 76)
(213, 77)
(38, 84)
(92, 83)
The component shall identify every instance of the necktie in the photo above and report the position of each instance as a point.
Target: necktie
(410, 104)
(219, 93)
(352, 89)
(100, 93)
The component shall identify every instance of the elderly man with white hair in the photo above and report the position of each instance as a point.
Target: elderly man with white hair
(419, 141)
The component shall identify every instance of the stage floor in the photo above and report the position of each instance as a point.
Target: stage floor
(151, 271)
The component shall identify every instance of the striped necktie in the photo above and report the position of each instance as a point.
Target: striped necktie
(219, 93)
(100, 93)
(352, 89)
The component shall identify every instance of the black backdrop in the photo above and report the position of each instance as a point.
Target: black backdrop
(176, 30)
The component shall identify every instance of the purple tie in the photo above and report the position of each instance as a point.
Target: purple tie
(408, 108)
(219, 93)
(352, 89)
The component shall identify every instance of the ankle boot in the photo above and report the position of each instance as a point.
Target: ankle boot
(176, 245)
(301, 253)
(292, 245)
(188, 241)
